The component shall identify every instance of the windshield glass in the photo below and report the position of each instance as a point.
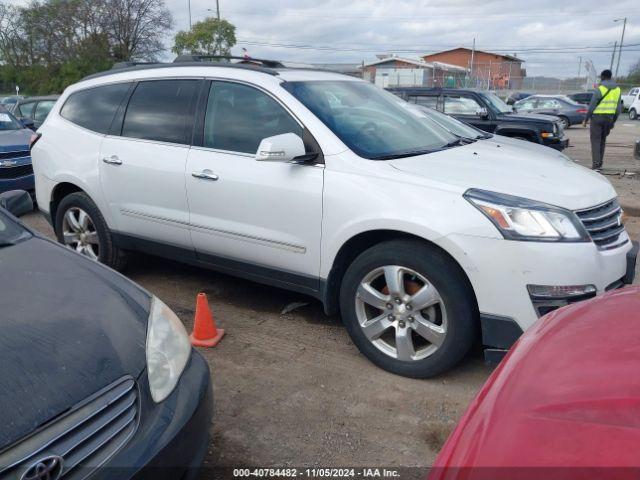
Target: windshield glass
(8, 122)
(496, 102)
(9, 231)
(370, 121)
(453, 125)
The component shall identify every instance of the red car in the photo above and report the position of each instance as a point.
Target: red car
(563, 404)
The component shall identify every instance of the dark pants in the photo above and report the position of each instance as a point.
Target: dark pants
(601, 125)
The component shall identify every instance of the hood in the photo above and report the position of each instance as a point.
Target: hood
(543, 175)
(527, 118)
(14, 139)
(565, 395)
(70, 327)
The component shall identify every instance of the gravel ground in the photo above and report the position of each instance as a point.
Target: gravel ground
(291, 390)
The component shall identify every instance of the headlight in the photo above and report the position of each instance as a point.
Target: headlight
(521, 219)
(168, 350)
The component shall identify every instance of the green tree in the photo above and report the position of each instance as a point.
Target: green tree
(207, 37)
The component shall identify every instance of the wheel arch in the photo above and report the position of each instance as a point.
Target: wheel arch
(330, 288)
(60, 191)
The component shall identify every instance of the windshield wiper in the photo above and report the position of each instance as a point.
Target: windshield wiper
(457, 142)
(412, 153)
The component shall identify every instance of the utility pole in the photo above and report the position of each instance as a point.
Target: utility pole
(189, 14)
(218, 9)
(613, 55)
(473, 54)
(624, 26)
(579, 67)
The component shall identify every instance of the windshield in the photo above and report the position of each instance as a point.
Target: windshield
(369, 120)
(496, 102)
(10, 231)
(455, 126)
(8, 122)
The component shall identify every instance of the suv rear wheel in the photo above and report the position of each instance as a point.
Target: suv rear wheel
(408, 308)
(80, 226)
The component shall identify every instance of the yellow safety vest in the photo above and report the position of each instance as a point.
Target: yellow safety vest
(609, 104)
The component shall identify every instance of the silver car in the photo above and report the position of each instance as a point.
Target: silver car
(567, 110)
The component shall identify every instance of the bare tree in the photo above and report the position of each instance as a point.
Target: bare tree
(137, 27)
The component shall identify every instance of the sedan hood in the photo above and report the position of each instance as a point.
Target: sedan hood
(528, 117)
(69, 328)
(541, 174)
(15, 138)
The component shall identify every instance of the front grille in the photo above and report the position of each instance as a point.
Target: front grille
(84, 438)
(8, 173)
(604, 224)
(15, 154)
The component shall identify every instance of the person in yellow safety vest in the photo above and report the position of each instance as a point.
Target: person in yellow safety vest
(603, 112)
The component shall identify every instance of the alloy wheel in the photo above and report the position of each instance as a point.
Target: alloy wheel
(79, 233)
(401, 313)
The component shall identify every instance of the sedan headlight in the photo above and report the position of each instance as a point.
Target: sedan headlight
(168, 350)
(522, 219)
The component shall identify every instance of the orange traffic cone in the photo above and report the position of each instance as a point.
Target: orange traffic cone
(205, 333)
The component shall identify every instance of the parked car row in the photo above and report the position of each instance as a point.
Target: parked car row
(488, 112)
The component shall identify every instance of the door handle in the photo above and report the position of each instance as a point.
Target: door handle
(112, 160)
(205, 175)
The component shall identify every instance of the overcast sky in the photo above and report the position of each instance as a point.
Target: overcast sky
(550, 35)
(335, 31)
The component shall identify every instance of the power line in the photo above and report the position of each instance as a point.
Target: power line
(421, 17)
(425, 49)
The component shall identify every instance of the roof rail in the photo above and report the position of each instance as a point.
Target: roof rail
(228, 58)
(119, 65)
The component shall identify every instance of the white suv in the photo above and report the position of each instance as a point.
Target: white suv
(327, 185)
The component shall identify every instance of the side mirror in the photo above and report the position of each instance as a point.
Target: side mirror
(280, 148)
(482, 112)
(16, 202)
(28, 123)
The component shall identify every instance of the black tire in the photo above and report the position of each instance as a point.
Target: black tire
(453, 287)
(633, 115)
(108, 253)
(565, 122)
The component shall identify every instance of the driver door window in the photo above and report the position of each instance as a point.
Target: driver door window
(239, 117)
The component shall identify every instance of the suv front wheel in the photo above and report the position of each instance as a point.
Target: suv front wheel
(80, 226)
(408, 308)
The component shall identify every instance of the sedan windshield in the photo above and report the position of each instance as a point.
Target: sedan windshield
(10, 232)
(8, 122)
(370, 121)
(496, 102)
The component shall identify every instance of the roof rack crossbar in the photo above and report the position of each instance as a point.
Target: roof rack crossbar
(246, 60)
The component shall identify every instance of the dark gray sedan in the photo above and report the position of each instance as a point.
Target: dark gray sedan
(568, 111)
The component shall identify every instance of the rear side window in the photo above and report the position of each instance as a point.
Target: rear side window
(161, 110)
(425, 101)
(94, 108)
(239, 117)
(42, 110)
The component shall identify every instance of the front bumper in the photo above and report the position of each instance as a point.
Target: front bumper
(172, 438)
(21, 183)
(500, 270)
(557, 143)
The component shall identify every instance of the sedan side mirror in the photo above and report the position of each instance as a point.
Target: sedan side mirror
(482, 112)
(28, 123)
(280, 148)
(16, 202)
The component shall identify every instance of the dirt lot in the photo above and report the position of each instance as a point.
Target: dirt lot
(291, 390)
